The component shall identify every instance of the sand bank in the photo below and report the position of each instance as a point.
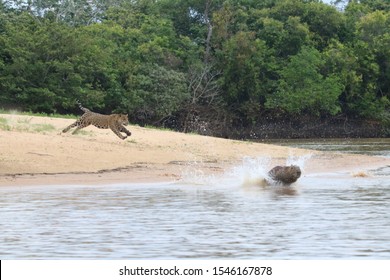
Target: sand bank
(34, 151)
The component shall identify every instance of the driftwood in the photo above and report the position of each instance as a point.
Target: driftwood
(285, 174)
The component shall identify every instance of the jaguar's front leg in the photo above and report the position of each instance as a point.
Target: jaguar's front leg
(124, 129)
(117, 132)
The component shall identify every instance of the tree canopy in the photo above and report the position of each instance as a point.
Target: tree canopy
(227, 62)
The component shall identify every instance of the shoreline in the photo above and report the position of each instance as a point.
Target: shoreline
(140, 173)
(134, 175)
(165, 173)
(29, 156)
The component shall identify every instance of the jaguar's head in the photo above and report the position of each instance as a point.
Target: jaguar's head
(123, 119)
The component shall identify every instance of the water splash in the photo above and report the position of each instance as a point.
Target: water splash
(254, 171)
(298, 160)
(250, 172)
(193, 173)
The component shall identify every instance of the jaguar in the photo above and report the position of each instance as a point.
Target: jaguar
(115, 122)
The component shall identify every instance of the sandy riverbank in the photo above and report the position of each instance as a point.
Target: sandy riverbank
(33, 151)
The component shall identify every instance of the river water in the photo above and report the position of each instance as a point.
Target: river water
(205, 217)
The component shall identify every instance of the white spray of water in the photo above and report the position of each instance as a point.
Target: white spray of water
(254, 171)
(193, 173)
(250, 172)
(298, 160)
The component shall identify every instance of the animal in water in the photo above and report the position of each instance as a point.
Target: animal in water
(115, 122)
(285, 174)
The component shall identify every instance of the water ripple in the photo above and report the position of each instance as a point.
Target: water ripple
(342, 218)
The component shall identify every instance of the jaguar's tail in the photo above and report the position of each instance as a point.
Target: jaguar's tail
(85, 110)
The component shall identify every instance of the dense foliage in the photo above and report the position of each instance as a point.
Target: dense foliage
(198, 64)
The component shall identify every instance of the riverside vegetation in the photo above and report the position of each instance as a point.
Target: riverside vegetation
(240, 69)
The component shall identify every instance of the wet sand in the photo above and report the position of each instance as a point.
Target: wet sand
(33, 151)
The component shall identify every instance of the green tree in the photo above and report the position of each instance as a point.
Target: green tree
(303, 89)
(247, 76)
(373, 51)
(285, 38)
(50, 65)
(155, 92)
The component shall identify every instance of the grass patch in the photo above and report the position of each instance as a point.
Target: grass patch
(158, 128)
(24, 125)
(68, 116)
(24, 121)
(42, 128)
(54, 115)
(4, 124)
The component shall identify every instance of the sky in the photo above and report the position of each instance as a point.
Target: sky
(327, 1)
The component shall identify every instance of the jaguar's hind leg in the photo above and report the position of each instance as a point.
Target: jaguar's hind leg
(80, 126)
(69, 127)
